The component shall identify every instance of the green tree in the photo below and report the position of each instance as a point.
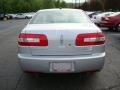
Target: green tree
(20, 6)
(63, 4)
(48, 4)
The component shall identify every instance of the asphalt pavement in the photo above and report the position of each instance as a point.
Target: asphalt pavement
(12, 77)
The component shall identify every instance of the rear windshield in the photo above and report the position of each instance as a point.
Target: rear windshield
(60, 16)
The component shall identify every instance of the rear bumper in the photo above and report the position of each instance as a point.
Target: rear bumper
(42, 63)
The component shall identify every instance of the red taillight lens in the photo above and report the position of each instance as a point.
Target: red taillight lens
(32, 40)
(90, 39)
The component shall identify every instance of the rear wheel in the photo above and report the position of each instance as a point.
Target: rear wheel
(117, 28)
(110, 28)
(26, 17)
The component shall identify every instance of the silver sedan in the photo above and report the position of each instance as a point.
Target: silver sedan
(61, 41)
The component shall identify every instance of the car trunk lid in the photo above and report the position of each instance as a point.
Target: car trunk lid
(61, 39)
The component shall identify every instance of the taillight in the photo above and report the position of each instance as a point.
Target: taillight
(90, 39)
(32, 40)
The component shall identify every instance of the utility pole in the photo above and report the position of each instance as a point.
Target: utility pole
(89, 2)
(102, 2)
(3, 7)
(72, 3)
(75, 3)
(79, 3)
(85, 5)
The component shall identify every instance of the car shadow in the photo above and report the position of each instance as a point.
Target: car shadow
(80, 81)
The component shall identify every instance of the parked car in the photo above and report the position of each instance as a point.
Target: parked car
(29, 15)
(11, 16)
(21, 16)
(92, 14)
(3, 16)
(112, 21)
(97, 18)
(61, 41)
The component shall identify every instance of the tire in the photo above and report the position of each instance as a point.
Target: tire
(110, 28)
(26, 17)
(117, 28)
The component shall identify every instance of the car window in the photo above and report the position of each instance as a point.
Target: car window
(60, 16)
